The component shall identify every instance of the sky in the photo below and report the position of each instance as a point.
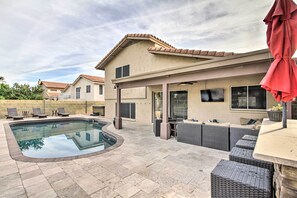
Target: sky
(56, 40)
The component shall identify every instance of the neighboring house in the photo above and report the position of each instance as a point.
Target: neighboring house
(198, 84)
(85, 87)
(52, 90)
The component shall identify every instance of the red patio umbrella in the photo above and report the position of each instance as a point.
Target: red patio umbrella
(281, 78)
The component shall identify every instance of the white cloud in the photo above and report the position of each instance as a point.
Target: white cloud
(47, 36)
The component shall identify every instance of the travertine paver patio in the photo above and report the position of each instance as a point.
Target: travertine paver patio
(144, 166)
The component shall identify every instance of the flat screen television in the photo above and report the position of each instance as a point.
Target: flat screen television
(212, 95)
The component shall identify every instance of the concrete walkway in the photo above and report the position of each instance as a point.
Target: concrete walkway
(144, 166)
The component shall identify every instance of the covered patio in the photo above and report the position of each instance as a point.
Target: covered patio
(239, 65)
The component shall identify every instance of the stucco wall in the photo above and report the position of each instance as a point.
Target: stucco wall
(82, 83)
(202, 111)
(140, 61)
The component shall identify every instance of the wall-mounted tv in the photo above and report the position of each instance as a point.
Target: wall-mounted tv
(212, 95)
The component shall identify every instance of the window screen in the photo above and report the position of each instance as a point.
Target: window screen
(88, 88)
(119, 72)
(100, 89)
(126, 70)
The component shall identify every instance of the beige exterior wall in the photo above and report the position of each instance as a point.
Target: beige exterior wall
(140, 61)
(49, 90)
(222, 110)
(94, 95)
(201, 111)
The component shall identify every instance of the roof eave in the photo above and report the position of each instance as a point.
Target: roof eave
(259, 55)
(101, 65)
(186, 55)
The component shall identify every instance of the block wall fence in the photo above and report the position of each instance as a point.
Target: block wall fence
(47, 106)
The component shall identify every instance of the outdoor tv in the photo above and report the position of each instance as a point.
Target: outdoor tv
(212, 95)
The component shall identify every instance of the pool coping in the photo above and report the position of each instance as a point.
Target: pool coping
(16, 153)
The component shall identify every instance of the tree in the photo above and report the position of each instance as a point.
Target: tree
(5, 91)
(2, 79)
(20, 92)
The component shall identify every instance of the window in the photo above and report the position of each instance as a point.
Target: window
(123, 71)
(77, 91)
(88, 88)
(100, 89)
(127, 110)
(88, 137)
(126, 70)
(248, 97)
(53, 90)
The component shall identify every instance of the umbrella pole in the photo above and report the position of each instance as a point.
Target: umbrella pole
(284, 114)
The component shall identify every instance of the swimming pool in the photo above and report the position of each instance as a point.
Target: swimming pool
(61, 138)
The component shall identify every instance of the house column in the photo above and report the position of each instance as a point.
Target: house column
(165, 127)
(118, 119)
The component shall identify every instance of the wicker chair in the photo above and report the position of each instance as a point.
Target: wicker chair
(245, 156)
(12, 113)
(246, 144)
(61, 112)
(233, 180)
(237, 132)
(250, 137)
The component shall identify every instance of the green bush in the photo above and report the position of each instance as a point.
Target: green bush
(20, 92)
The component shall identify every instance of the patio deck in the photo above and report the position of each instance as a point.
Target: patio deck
(144, 166)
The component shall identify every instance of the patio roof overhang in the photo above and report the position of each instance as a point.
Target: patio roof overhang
(237, 65)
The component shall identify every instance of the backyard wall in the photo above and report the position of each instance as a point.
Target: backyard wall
(72, 107)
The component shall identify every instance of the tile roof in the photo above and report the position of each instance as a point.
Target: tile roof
(56, 85)
(96, 79)
(189, 52)
(164, 48)
(125, 41)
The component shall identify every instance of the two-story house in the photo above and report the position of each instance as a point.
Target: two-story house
(52, 90)
(85, 87)
(147, 78)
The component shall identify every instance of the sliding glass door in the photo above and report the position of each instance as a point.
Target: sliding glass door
(179, 104)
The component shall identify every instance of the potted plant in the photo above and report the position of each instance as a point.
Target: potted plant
(275, 113)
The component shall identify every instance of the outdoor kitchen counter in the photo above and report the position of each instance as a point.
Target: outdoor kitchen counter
(276, 144)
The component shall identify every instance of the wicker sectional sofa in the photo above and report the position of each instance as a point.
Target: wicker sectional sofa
(222, 136)
(190, 133)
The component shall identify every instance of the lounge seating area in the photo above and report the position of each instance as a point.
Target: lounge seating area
(12, 113)
(221, 136)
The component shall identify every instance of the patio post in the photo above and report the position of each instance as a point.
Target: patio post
(118, 119)
(165, 127)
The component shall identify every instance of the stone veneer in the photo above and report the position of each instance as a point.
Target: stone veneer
(285, 181)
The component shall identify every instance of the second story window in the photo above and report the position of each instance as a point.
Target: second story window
(100, 89)
(88, 88)
(122, 71)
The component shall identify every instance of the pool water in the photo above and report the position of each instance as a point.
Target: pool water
(61, 139)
